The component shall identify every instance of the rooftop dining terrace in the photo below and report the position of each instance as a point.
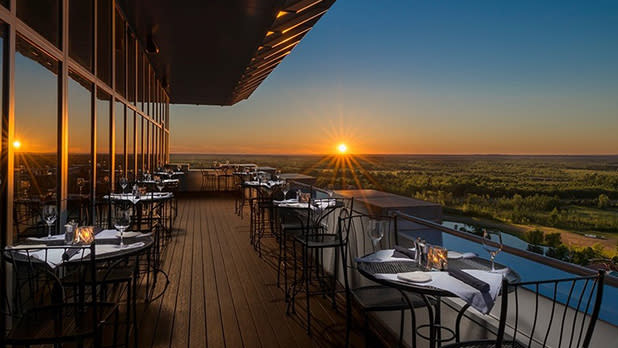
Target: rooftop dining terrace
(223, 294)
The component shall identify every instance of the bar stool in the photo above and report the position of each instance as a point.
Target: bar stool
(209, 180)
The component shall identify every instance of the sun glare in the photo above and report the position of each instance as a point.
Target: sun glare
(16, 144)
(342, 148)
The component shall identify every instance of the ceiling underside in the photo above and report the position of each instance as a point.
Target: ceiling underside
(217, 52)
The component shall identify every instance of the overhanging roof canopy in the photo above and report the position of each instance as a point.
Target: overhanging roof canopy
(217, 52)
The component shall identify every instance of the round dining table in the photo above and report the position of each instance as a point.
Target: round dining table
(431, 295)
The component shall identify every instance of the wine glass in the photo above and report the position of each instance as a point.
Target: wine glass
(491, 249)
(81, 182)
(49, 214)
(122, 221)
(286, 189)
(123, 183)
(160, 184)
(376, 233)
(331, 190)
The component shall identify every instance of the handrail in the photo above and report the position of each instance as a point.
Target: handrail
(311, 187)
(555, 263)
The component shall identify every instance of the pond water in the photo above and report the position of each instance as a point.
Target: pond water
(507, 239)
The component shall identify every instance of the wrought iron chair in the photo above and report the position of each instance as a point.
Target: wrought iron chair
(375, 297)
(314, 238)
(44, 308)
(559, 312)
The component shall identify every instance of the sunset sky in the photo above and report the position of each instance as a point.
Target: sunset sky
(394, 76)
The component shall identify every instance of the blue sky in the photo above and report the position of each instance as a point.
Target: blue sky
(401, 76)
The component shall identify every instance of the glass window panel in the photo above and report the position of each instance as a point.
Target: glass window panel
(155, 151)
(120, 53)
(81, 31)
(152, 94)
(148, 89)
(131, 79)
(103, 144)
(140, 79)
(42, 16)
(104, 40)
(158, 102)
(79, 128)
(36, 137)
(119, 143)
(130, 144)
(3, 33)
(147, 147)
(139, 148)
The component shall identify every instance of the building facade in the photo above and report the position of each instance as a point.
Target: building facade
(82, 106)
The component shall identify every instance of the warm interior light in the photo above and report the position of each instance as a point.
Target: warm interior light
(269, 33)
(16, 144)
(281, 14)
(342, 148)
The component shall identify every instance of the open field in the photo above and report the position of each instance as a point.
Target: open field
(570, 195)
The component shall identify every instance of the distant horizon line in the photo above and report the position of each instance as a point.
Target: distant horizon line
(397, 154)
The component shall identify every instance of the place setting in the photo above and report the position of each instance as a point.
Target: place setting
(433, 270)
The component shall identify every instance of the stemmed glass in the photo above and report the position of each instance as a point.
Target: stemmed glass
(331, 190)
(160, 184)
(122, 221)
(491, 249)
(286, 189)
(376, 233)
(81, 182)
(123, 183)
(49, 214)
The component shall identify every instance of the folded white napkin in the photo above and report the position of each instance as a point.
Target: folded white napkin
(457, 255)
(101, 249)
(114, 234)
(483, 302)
(385, 255)
(55, 237)
(286, 201)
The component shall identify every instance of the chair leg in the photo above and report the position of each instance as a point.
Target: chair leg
(366, 331)
(401, 326)
(279, 260)
(307, 281)
(128, 322)
(334, 281)
(348, 304)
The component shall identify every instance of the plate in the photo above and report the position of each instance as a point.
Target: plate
(415, 277)
(383, 254)
(129, 234)
(454, 255)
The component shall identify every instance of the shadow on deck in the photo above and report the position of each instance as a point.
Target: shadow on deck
(221, 294)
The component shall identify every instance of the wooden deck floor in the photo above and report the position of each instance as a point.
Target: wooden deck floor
(223, 295)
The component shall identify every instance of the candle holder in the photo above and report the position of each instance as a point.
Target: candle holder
(437, 258)
(84, 235)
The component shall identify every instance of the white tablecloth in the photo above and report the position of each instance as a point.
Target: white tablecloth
(483, 302)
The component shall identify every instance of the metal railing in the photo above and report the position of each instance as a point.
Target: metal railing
(555, 263)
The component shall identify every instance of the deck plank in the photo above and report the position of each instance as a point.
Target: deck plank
(232, 332)
(183, 305)
(222, 294)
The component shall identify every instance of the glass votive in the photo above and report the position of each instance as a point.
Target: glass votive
(437, 258)
(84, 235)
(69, 229)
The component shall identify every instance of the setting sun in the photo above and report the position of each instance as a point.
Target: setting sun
(16, 144)
(342, 148)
